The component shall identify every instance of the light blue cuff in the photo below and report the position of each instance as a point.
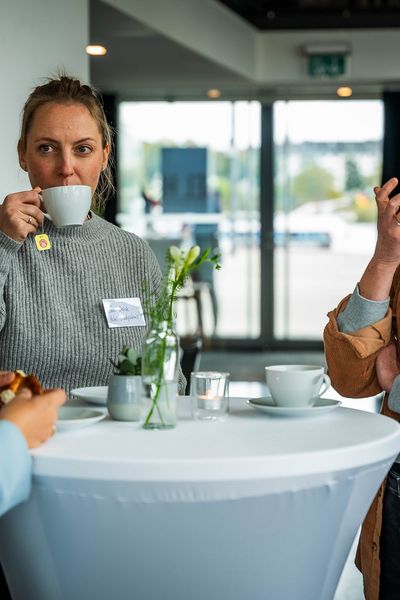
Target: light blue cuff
(361, 312)
(394, 395)
(15, 466)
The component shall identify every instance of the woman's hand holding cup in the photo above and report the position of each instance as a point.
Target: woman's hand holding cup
(20, 214)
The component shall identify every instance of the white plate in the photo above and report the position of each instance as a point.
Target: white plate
(322, 406)
(96, 395)
(71, 417)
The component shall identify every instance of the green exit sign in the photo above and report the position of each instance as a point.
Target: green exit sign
(326, 65)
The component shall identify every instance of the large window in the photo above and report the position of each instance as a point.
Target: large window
(189, 173)
(327, 160)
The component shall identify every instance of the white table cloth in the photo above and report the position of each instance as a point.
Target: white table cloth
(247, 509)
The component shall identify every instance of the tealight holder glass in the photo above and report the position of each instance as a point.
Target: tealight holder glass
(209, 391)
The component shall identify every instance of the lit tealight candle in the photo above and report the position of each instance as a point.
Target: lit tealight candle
(209, 401)
(209, 395)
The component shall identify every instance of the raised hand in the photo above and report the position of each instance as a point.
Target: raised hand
(20, 214)
(388, 243)
(377, 278)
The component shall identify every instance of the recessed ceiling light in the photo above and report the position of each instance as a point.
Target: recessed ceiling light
(344, 91)
(96, 50)
(214, 93)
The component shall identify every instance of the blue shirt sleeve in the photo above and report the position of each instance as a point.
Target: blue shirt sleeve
(15, 466)
(361, 312)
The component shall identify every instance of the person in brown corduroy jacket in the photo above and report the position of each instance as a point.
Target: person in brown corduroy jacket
(361, 347)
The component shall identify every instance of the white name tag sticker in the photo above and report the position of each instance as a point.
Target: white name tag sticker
(124, 312)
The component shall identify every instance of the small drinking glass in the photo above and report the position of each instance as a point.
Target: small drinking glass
(209, 391)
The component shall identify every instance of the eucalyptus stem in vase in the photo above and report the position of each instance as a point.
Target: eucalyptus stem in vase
(160, 356)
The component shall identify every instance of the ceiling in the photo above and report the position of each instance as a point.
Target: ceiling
(317, 14)
(145, 60)
(144, 63)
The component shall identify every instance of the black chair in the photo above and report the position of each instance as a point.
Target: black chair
(190, 306)
(191, 346)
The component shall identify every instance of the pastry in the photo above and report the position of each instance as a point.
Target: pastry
(20, 381)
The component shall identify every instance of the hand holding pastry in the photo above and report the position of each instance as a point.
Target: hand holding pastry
(12, 382)
(33, 412)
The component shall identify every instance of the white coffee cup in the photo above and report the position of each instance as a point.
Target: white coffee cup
(67, 204)
(296, 386)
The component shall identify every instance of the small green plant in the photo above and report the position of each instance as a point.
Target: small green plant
(128, 363)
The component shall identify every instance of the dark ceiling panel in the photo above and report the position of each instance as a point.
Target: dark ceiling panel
(317, 14)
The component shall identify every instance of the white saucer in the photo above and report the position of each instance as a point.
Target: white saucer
(321, 407)
(96, 395)
(70, 417)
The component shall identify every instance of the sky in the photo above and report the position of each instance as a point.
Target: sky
(210, 123)
(330, 121)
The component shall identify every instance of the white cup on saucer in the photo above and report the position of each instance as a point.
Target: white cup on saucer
(296, 386)
(67, 204)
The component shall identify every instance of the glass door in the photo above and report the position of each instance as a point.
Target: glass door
(328, 158)
(189, 174)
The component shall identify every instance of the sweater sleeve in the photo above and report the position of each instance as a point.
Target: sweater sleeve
(351, 356)
(15, 467)
(361, 312)
(8, 251)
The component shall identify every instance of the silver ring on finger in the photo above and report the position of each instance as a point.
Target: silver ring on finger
(30, 220)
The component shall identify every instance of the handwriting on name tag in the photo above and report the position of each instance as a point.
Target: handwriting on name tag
(124, 312)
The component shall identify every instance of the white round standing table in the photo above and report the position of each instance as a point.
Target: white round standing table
(254, 507)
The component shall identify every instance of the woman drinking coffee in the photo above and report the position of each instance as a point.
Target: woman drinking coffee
(53, 280)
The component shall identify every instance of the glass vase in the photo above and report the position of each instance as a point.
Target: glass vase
(160, 376)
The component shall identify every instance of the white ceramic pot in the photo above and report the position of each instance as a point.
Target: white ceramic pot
(125, 400)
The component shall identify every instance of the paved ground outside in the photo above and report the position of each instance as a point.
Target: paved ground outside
(309, 281)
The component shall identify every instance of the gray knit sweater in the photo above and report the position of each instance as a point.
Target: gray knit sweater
(52, 320)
